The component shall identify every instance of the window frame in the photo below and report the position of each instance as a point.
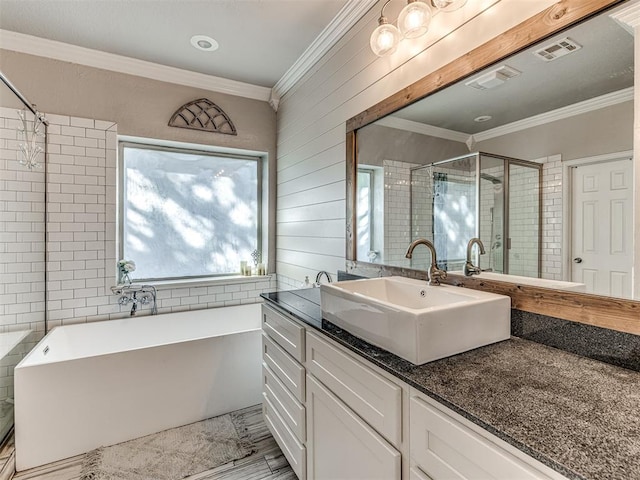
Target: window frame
(194, 149)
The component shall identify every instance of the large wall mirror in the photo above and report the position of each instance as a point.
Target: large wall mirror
(533, 154)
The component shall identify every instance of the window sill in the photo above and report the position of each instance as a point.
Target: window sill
(206, 282)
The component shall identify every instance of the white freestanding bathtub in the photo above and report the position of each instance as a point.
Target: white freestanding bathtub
(88, 385)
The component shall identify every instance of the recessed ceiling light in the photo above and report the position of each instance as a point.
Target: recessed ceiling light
(482, 118)
(204, 43)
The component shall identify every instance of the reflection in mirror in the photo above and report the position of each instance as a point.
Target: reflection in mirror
(552, 196)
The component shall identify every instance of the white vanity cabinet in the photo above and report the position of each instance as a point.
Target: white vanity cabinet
(283, 385)
(338, 417)
(354, 417)
(445, 445)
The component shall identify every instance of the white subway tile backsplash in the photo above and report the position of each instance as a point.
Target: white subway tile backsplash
(73, 150)
(231, 288)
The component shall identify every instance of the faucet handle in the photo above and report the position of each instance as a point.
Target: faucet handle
(435, 275)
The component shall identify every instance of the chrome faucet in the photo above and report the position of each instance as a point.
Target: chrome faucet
(319, 276)
(435, 274)
(469, 268)
(137, 295)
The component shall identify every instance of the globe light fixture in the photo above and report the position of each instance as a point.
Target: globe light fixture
(386, 37)
(413, 22)
(414, 19)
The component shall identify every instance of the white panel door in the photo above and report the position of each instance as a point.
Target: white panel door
(340, 445)
(602, 242)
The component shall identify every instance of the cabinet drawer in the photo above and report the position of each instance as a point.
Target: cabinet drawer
(289, 408)
(285, 332)
(294, 452)
(288, 371)
(444, 448)
(377, 400)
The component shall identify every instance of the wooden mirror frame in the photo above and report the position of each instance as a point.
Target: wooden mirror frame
(607, 312)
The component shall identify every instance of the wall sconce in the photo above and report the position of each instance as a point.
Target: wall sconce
(413, 22)
(29, 150)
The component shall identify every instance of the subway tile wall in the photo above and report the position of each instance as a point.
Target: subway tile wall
(552, 218)
(397, 211)
(81, 214)
(524, 220)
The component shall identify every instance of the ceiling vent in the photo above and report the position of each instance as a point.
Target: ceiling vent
(557, 49)
(493, 78)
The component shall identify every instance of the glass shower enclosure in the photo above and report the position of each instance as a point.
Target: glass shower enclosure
(22, 239)
(494, 198)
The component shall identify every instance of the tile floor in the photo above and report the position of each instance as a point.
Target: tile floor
(267, 463)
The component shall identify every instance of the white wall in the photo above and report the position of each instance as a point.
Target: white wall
(349, 79)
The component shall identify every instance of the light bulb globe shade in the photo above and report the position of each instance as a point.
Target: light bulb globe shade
(384, 39)
(414, 19)
(449, 5)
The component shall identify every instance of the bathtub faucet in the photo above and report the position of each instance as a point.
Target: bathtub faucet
(136, 295)
(134, 304)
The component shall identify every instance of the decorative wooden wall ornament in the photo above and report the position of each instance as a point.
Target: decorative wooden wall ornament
(203, 115)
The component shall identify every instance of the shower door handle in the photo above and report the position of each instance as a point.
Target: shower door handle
(577, 260)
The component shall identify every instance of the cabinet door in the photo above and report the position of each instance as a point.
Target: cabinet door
(340, 445)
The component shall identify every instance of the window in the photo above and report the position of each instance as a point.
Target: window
(370, 190)
(365, 212)
(187, 213)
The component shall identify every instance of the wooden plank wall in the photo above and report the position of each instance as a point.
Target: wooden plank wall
(311, 197)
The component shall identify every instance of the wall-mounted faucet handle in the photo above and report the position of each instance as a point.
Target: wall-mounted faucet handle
(469, 268)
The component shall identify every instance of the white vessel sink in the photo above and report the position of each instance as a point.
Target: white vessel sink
(417, 322)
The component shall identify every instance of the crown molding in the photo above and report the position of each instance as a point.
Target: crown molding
(579, 108)
(422, 128)
(628, 17)
(342, 22)
(586, 106)
(65, 52)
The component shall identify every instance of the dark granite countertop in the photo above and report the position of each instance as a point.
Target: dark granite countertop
(579, 416)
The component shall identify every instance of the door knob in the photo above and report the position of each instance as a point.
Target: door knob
(577, 260)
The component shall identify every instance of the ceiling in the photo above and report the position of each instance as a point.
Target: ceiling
(603, 65)
(259, 39)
